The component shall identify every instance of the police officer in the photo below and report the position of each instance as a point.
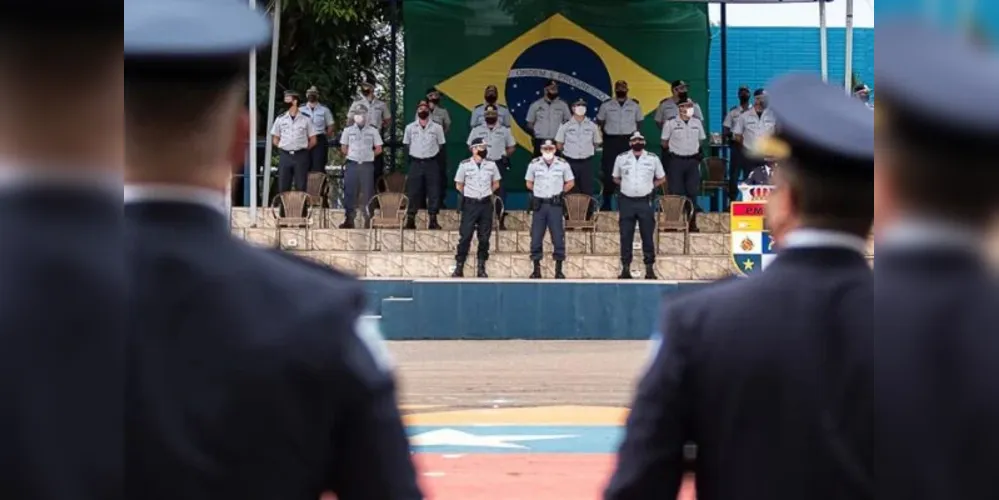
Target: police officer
(424, 137)
(578, 139)
(477, 179)
(62, 311)
(937, 301)
(669, 107)
(548, 179)
(762, 175)
(546, 115)
(491, 95)
(770, 376)
(619, 117)
(682, 138)
(377, 116)
(322, 121)
(228, 399)
(500, 145)
(361, 144)
(294, 135)
(738, 167)
(440, 115)
(639, 173)
(863, 92)
(751, 126)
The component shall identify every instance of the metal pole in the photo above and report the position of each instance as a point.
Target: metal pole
(823, 40)
(271, 96)
(250, 171)
(849, 47)
(393, 60)
(723, 37)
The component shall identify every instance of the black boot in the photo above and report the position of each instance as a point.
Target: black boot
(480, 270)
(558, 270)
(502, 224)
(625, 271)
(433, 223)
(459, 269)
(650, 271)
(693, 222)
(536, 275)
(410, 222)
(348, 223)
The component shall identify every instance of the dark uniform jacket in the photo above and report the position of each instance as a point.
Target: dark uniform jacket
(62, 339)
(249, 378)
(937, 374)
(758, 177)
(770, 377)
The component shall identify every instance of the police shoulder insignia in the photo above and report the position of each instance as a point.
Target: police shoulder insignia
(650, 153)
(624, 153)
(636, 101)
(370, 334)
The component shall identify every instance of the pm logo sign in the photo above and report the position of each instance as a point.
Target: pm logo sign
(752, 247)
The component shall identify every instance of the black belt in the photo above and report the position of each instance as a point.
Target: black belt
(432, 158)
(682, 157)
(487, 199)
(578, 159)
(626, 136)
(292, 152)
(636, 198)
(546, 201)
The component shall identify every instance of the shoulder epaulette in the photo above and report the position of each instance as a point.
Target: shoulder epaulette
(664, 100)
(650, 153)
(501, 106)
(607, 101)
(624, 153)
(636, 100)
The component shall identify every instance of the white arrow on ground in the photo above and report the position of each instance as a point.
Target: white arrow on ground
(452, 437)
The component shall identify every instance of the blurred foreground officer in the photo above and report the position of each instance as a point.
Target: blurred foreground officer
(638, 172)
(937, 303)
(424, 138)
(62, 335)
(619, 117)
(578, 139)
(225, 399)
(477, 179)
(775, 391)
(548, 178)
(681, 138)
(322, 121)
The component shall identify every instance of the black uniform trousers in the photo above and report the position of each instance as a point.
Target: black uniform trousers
(548, 216)
(319, 155)
(582, 170)
(423, 185)
(640, 211)
(444, 177)
(683, 176)
(293, 170)
(740, 165)
(614, 145)
(771, 377)
(477, 217)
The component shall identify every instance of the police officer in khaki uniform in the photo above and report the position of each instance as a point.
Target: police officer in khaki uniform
(294, 135)
(682, 137)
(638, 173)
(322, 120)
(500, 145)
(619, 118)
(546, 115)
(669, 108)
(425, 139)
(491, 95)
(477, 179)
(377, 116)
(548, 179)
(440, 115)
(738, 167)
(578, 139)
(361, 144)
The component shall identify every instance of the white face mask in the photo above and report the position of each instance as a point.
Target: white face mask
(689, 112)
(580, 110)
(359, 120)
(548, 156)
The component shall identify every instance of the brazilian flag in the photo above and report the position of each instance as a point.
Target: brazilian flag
(461, 46)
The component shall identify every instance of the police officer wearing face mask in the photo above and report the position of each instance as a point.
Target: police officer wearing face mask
(578, 139)
(682, 138)
(440, 115)
(669, 108)
(377, 116)
(619, 117)
(738, 167)
(546, 115)
(491, 96)
(761, 176)
(293, 134)
(751, 126)
(638, 172)
(322, 121)
(425, 139)
(548, 178)
(500, 146)
(361, 144)
(477, 179)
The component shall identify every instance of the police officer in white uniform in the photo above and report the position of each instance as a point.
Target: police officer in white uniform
(638, 173)
(491, 95)
(546, 115)
(619, 117)
(440, 115)
(548, 178)
(500, 145)
(294, 135)
(377, 116)
(361, 144)
(477, 179)
(752, 125)
(578, 139)
(738, 167)
(682, 138)
(322, 120)
(669, 108)
(424, 137)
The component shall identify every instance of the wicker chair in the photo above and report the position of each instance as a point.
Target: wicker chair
(673, 214)
(391, 213)
(318, 189)
(394, 182)
(713, 180)
(498, 208)
(292, 209)
(578, 208)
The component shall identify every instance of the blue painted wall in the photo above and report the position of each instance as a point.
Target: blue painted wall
(757, 55)
(986, 12)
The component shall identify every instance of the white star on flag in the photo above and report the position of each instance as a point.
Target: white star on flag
(452, 437)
